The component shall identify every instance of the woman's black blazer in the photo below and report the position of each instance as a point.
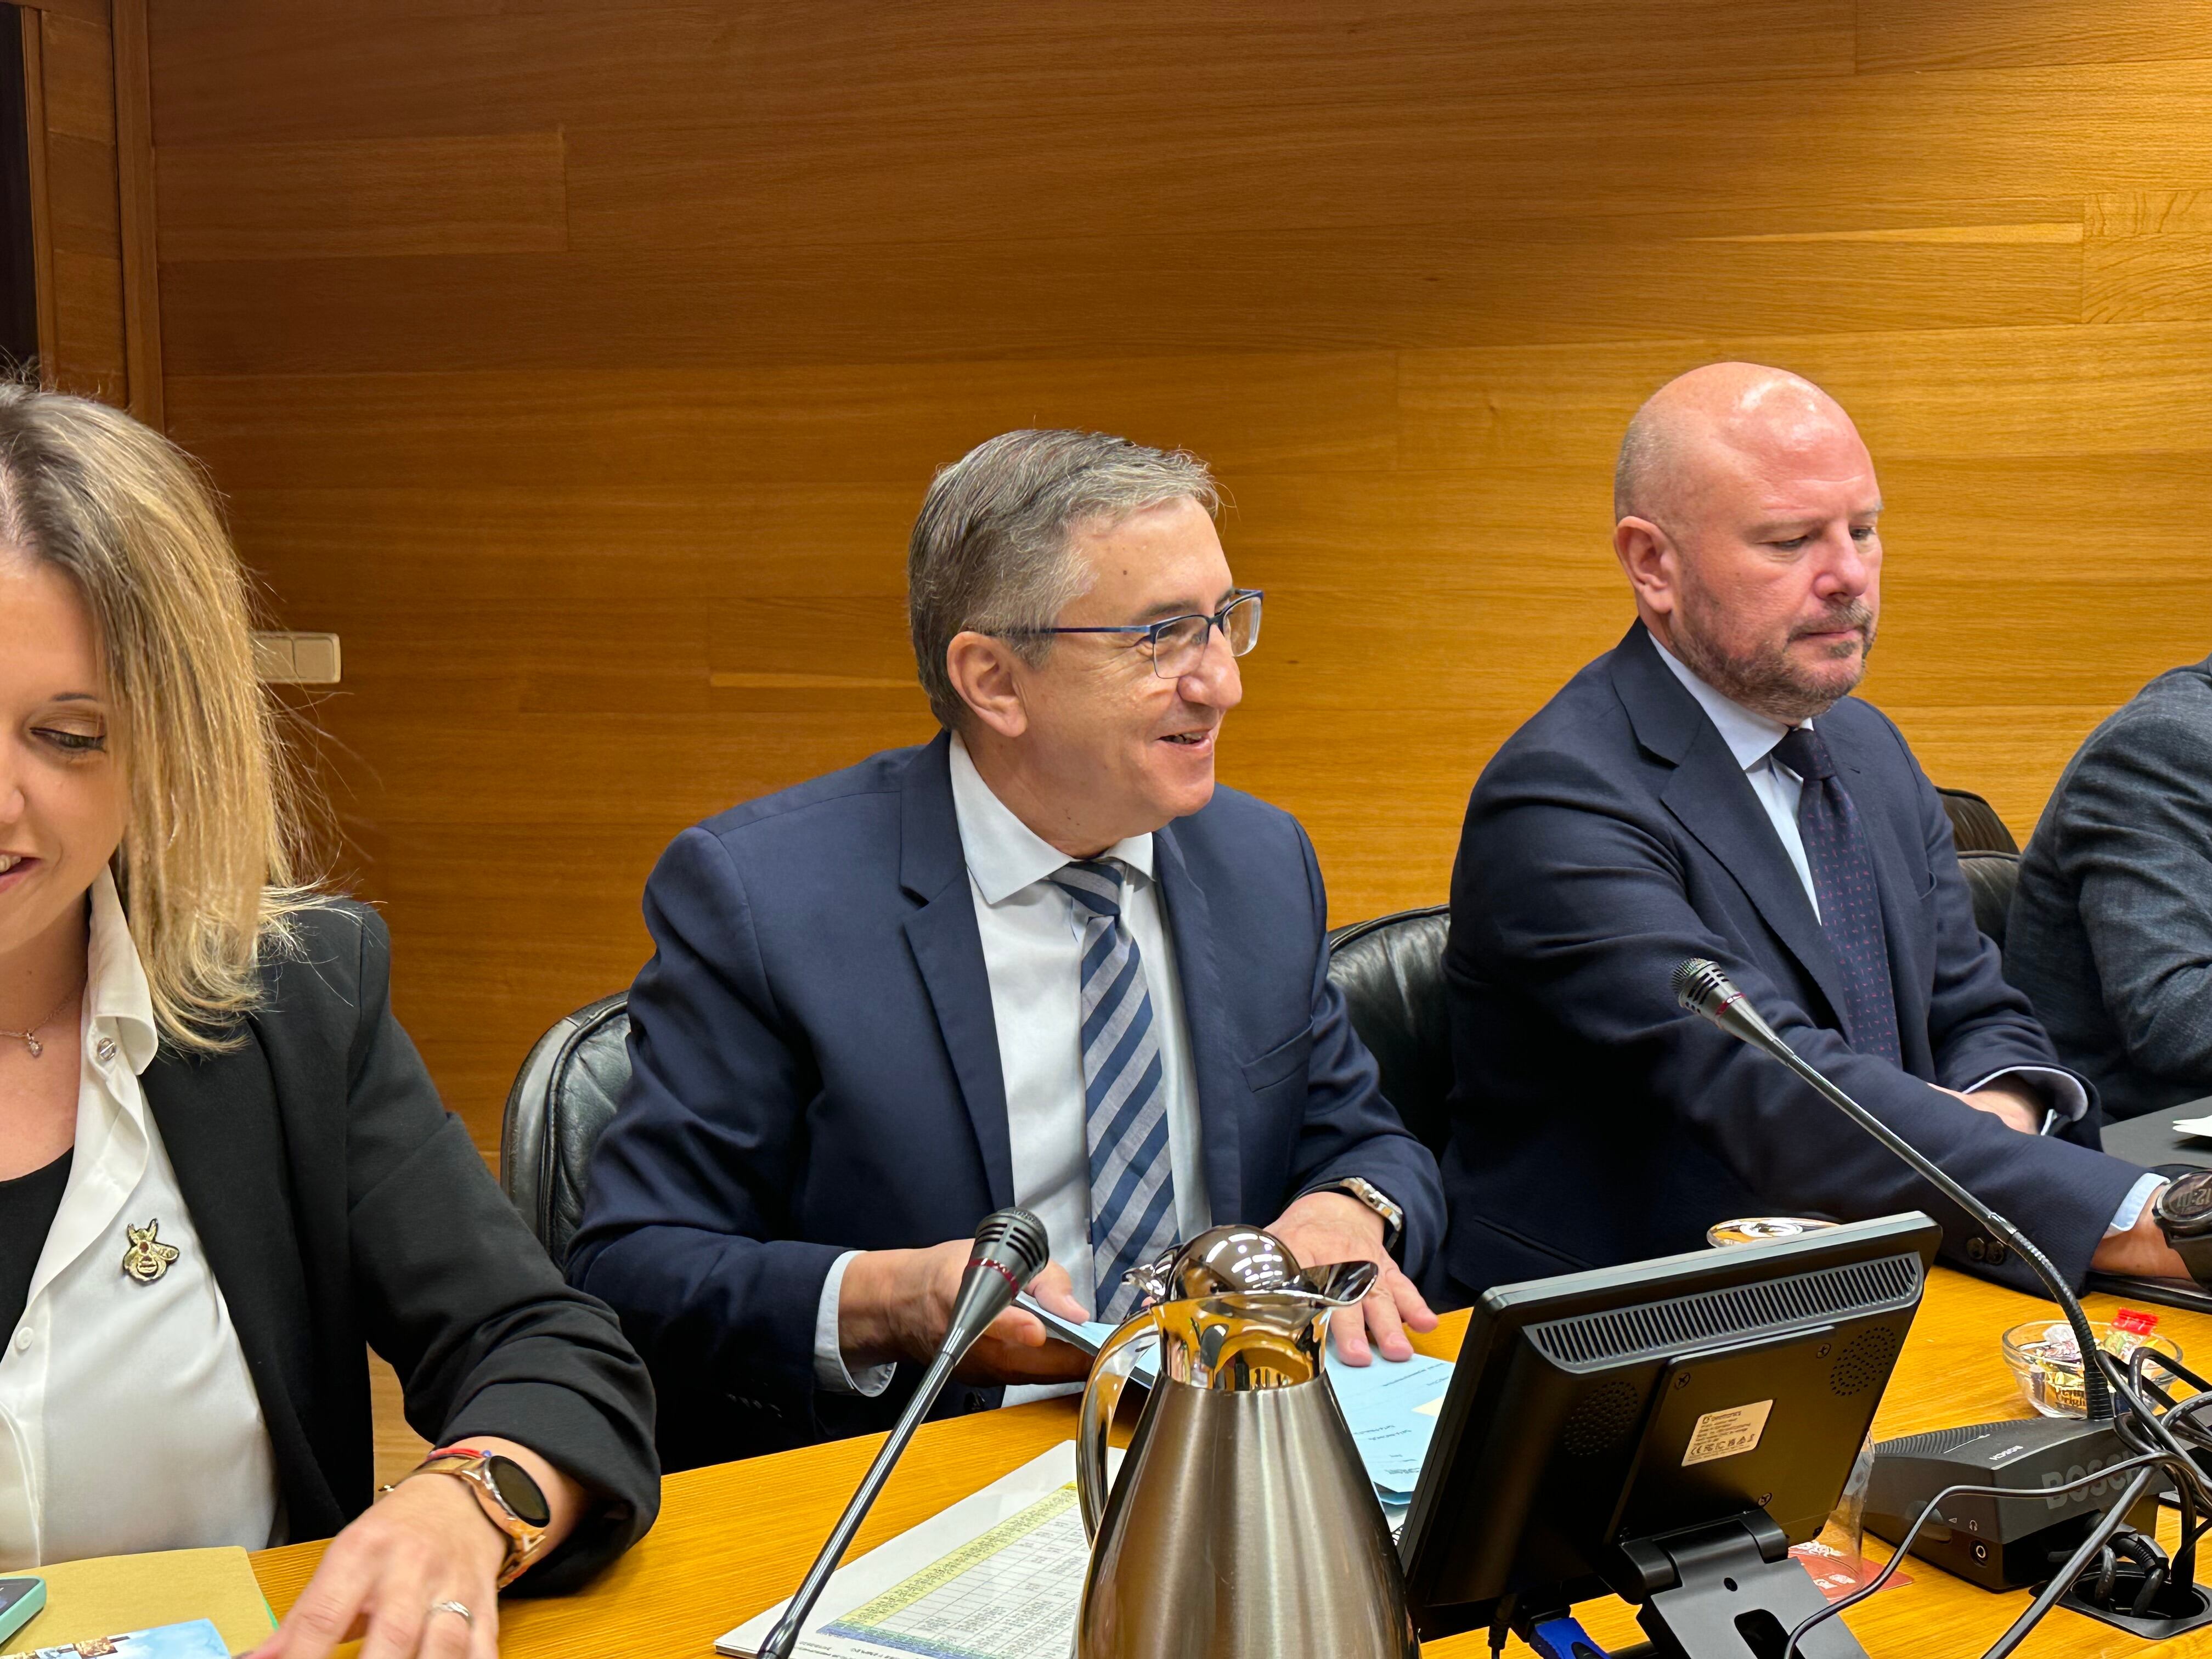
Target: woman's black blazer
(343, 1207)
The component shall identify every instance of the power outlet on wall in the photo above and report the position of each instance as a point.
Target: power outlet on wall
(289, 659)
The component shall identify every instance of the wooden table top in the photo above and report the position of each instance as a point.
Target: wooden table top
(735, 1539)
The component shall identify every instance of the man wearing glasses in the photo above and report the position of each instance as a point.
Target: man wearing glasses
(1041, 960)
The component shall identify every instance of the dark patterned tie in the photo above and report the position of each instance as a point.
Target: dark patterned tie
(1843, 880)
(1133, 1209)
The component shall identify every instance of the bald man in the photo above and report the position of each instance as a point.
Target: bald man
(1710, 788)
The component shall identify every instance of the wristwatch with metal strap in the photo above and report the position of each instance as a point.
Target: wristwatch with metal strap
(509, 1496)
(1366, 1192)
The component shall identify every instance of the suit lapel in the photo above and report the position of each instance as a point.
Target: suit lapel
(948, 950)
(1213, 1062)
(219, 1121)
(1710, 797)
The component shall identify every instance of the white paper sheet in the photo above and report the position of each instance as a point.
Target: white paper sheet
(997, 1575)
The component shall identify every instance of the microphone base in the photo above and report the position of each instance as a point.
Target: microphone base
(1998, 1543)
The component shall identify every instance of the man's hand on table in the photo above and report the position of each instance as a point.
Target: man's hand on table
(426, 1541)
(2141, 1251)
(897, 1304)
(1322, 1228)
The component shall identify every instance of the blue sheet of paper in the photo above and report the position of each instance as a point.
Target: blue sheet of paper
(196, 1640)
(1390, 1406)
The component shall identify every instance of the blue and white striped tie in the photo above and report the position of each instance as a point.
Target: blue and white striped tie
(1132, 1215)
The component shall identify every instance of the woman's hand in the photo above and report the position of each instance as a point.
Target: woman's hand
(428, 1541)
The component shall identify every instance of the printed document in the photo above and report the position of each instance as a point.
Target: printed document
(998, 1576)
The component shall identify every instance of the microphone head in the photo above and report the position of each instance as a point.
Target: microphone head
(1701, 988)
(1015, 1241)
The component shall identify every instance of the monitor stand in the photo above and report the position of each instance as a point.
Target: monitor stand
(1729, 1590)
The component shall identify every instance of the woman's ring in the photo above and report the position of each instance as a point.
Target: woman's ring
(461, 1607)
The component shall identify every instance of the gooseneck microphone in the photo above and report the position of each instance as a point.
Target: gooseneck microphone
(1010, 1249)
(1703, 989)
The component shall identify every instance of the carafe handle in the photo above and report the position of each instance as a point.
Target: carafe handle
(1101, 1395)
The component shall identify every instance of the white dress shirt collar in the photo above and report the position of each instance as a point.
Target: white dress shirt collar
(1749, 735)
(1003, 855)
(120, 1003)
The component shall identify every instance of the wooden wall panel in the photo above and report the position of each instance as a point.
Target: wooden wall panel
(84, 229)
(500, 194)
(273, 70)
(91, 163)
(1905, 34)
(582, 365)
(80, 79)
(1259, 292)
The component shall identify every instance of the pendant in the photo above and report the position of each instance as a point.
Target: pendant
(36, 1046)
(148, 1258)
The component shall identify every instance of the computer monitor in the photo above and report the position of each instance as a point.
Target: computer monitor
(1664, 1432)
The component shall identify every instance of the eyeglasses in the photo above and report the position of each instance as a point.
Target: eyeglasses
(1177, 645)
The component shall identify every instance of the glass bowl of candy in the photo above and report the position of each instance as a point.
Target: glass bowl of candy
(2046, 1361)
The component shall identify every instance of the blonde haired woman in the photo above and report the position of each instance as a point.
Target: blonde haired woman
(223, 1169)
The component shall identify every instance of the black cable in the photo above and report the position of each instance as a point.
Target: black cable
(2070, 1575)
(2157, 1568)
(1905, 1545)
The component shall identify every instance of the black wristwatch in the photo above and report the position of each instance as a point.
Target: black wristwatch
(2184, 1213)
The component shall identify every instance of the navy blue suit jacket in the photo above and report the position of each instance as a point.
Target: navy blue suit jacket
(815, 1068)
(1594, 1122)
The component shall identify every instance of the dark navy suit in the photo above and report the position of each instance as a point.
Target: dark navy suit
(1616, 835)
(815, 1068)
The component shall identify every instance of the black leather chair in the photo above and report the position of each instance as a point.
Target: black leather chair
(1391, 970)
(562, 1098)
(1990, 877)
(1975, 825)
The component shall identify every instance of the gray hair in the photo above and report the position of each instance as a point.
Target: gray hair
(1647, 452)
(993, 549)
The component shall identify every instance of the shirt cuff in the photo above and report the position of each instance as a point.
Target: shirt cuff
(2131, 1207)
(830, 1373)
(2062, 1092)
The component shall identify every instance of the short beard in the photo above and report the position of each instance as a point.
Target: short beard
(1765, 680)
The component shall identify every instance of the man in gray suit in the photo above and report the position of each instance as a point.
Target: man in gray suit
(2110, 930)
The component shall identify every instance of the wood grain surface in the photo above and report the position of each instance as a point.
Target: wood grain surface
(88, 112)
(735, 1539)
(76, 192)
(582, 367)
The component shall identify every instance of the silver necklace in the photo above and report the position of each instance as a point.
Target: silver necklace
(30, 1039)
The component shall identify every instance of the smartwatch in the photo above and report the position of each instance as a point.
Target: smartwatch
(510, 1500)
(1367, 1192)
(2183, 1211)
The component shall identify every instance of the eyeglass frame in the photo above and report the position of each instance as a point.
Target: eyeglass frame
(1215, 624)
